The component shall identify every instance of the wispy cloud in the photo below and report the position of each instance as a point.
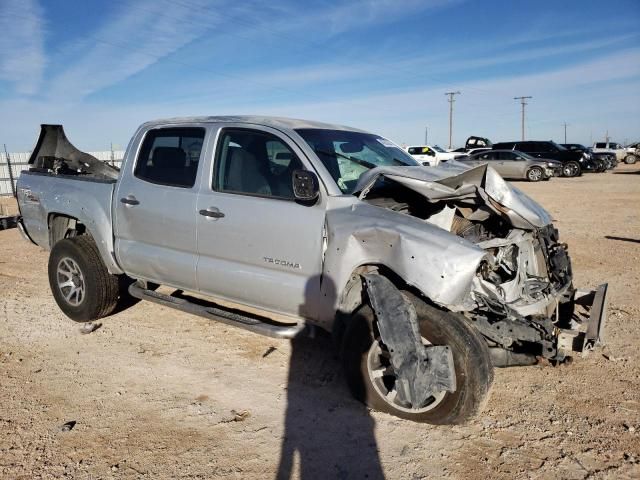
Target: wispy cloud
(135, 37)
(540, 52)
(360, 13)
(22, 58)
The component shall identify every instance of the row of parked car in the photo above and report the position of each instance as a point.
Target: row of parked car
(531, 160)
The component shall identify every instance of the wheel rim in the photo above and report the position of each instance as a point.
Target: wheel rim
(70, 281)
(535, 174)
(570, 170)
(383, 378)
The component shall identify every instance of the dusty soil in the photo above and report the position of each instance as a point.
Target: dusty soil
(160, 394)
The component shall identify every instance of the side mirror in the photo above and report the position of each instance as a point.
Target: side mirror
(305, 185)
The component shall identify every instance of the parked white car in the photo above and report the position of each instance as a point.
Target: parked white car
(432, 155)
(604, 147)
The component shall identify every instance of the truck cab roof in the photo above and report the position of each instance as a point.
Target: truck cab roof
(281, 123)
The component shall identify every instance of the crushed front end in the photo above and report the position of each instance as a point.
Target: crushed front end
(527, 306)
(521, 298)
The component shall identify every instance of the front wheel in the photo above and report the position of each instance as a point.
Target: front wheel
(535, 174)
(80, 283)
(372, 380)
(571, 169)
(630, 159)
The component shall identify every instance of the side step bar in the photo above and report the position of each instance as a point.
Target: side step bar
(215, 312)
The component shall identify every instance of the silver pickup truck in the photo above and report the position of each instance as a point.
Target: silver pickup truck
(428, 278)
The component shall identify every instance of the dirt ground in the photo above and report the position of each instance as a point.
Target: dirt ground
(159, 394)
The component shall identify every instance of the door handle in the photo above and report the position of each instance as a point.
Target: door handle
(130, 200)
(212, 212)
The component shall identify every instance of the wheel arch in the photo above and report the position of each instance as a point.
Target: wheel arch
(534, 167)
(61, 225)
(353, 294)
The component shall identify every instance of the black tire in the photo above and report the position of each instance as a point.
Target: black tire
(535, 174)
(100, 288)
(473, 367)
(630, 159)
(571, 169)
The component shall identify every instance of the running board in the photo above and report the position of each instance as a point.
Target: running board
(219, 314)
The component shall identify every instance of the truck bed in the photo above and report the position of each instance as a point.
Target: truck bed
(87, 198)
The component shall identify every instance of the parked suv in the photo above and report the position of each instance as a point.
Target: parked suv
(573, 162)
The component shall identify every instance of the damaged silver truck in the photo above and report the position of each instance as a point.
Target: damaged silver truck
(428, 278)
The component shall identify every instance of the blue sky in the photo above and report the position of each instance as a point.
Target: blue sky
(103, 67)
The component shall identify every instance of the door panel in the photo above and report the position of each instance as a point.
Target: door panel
(155, 208)
(509, 165)
(262, 248)
(262, 252)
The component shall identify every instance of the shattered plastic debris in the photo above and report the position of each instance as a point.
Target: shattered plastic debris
(67, 427)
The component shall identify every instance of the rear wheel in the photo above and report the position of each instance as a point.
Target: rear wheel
(372, 380)
(535, 174)
(571, 169)
(630, 159)
(80, 282)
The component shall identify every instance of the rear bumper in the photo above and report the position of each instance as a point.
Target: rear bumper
(589, 318)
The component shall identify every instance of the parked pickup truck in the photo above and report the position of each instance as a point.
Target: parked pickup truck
(432, 155)
(427, 278)
(611, 147)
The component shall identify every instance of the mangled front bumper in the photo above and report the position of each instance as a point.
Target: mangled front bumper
(588, 319)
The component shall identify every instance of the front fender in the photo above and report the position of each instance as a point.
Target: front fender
(439, 264)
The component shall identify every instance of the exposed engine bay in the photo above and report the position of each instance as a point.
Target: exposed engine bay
(523, 299)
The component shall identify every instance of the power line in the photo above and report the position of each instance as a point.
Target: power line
(523, 103)
(451, 100)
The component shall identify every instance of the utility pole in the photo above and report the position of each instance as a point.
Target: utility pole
(523, 102)
(451, 100)
(426, 135)
(565, 132)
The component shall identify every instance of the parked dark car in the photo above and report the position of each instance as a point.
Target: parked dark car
(573, 163)
(608, 158)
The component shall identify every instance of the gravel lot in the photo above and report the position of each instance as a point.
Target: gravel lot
(159, 394)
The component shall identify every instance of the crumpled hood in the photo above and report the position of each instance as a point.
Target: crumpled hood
(454, 180)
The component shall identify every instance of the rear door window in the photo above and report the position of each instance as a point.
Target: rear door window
(170, 156)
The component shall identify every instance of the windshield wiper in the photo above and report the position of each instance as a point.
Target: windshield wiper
(364, 163)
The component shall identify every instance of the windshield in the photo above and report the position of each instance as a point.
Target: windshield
(438, 149)
(560, 147)
(347, 155)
